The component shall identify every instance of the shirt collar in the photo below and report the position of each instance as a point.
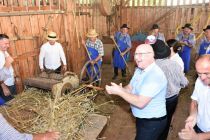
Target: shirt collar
(148, 68)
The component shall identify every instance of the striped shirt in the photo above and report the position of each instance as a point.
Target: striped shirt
(190, 38)
(7, 132)
(98, 45)
(174, 75)
(160, 36)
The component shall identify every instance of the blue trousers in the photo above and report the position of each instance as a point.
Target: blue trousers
(150, 129)
(12, 91)
(197, 129)
(185, 55)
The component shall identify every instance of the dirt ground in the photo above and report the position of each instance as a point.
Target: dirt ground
(121, 123)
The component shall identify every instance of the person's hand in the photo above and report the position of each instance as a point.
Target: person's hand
(122, 54)
(5, 89)
(190, 121)
(64, 68)
(114, 88)
(93, 62)
(42, 70)
(111, 36)
(188, 134)
(183, 43)
(47, 136)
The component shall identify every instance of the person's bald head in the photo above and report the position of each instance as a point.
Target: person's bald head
(202, 66)
(144, 56)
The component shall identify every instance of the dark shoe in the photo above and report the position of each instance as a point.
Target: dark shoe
(114, 77)
(124, 75)
(85, 79)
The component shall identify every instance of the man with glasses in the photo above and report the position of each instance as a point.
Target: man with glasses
(146, 95)
(197, 125)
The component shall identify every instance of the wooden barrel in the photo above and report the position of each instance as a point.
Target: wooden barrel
(107, 59)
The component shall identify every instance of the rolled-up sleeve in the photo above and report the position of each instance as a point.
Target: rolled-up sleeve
(62, 54)
(192, 40)
(7, 132)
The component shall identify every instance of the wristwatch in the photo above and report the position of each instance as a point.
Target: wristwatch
(1, 82)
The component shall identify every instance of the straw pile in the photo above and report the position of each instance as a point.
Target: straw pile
(34, 111)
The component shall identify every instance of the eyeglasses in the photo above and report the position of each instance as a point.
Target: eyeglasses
(205, 74)
(142, 53)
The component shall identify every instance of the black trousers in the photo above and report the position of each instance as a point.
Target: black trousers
(197, 129)
(171, 104)
(58, 70)
(12, 90)
(122, 70)
(150, 129)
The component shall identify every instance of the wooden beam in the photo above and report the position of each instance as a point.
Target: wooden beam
(30, 13)
(159, 19)
(126, 2)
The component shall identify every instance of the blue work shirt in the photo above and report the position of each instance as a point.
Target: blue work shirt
(150, 82)
(204, 47)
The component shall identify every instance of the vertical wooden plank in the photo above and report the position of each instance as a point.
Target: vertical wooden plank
(44, 3)
(21, 2)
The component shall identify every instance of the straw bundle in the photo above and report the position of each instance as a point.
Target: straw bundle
(34, 111)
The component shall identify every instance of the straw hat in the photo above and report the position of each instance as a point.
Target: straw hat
(92, 33)
(52, 36)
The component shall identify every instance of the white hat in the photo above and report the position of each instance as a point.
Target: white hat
(151, 39)
(51, 36)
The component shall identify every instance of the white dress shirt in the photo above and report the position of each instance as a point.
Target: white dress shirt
(201, 94)
(51, 55)
(6, 74)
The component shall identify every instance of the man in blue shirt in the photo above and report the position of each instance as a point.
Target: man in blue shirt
(146, 94)
(95, 51)
(187, 38)
(204, 47)
(123, 41)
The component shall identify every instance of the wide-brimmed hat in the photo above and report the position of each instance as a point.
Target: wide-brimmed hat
(151, 39)
(155, 26)
(161, 50)
(124, 26)
(92, 33)
(187, 25)
(51, 36)
(207, 28)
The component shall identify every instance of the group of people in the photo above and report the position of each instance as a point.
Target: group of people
(154, 88)
(160, 74)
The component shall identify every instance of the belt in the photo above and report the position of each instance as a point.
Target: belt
(153, 119)
(170, 98)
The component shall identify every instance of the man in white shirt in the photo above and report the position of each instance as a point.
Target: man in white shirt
(7, 81)
(197, 125)
(51, 55)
